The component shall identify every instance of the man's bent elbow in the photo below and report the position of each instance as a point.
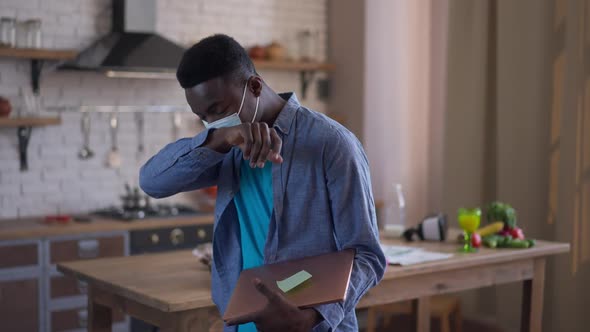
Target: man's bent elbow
(148, 184)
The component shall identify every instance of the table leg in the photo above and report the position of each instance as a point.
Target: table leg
(371, 319)
(421, 310)
(100, 317)
(532, 299)
(188, 321)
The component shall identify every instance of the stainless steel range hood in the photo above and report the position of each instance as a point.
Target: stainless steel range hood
(133, 48)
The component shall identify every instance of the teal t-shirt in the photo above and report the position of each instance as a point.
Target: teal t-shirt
(254, 205)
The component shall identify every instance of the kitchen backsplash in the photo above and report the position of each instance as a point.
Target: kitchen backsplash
(58, 182)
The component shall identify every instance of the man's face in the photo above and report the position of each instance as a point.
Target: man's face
(217, 98)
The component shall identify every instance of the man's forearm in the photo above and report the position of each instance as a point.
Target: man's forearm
(216, 141)
(180, 167)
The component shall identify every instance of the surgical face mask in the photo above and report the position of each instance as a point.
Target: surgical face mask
(234, 119)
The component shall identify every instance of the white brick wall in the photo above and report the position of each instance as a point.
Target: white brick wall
(58, 182)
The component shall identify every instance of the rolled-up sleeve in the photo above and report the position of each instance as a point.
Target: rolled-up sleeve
(181, 166)
(355, 223)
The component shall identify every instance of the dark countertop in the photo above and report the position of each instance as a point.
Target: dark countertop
(32, 228)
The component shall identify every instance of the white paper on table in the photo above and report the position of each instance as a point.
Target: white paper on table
(391, 250)
(401, 255)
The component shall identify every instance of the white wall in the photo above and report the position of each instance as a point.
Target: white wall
(346, 30)
(398, 100)
(57, 180)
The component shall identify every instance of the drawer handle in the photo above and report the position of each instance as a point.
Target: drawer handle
(177, 236)
(154, 238)
(201, 234)
(82, 318)
(82, 287)
(88, 248)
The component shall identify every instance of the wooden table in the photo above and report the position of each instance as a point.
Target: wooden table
(172, 290)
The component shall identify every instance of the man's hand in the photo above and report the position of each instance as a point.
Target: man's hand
(257, 141)
(279, 314)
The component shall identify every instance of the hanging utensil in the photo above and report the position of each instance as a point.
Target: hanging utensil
(85, 152)
(176, 124)
(24, 136)
(114, 158)
(140, 123)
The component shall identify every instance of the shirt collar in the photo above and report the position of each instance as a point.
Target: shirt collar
(285, 117)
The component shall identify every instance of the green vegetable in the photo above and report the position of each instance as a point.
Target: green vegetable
(498, 211)
(518, 244)
(490, 241)
(504, 241)
(501, 241)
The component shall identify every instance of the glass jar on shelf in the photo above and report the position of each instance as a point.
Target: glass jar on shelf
(306, 49)
(30, 103)
(21, 38)
(7, 32)
(33, 33)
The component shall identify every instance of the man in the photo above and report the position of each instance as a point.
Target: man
(291, 183)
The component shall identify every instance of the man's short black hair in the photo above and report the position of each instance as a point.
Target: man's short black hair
(214, 56)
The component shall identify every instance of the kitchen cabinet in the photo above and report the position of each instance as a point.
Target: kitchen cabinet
(15, 255)
(66, 298)
(20, 286)
(62, 286)
(35, 297)
(86, 248)
(19, 305)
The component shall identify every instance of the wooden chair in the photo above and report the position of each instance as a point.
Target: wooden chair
(442, 307)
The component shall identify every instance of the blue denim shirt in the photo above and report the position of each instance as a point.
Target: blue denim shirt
(322, 195)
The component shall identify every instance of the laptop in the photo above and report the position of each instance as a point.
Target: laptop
(330, 275)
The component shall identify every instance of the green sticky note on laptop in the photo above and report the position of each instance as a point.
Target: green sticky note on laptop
(293, 281)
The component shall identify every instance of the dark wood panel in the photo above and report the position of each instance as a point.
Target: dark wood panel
(19, 309)
(63, 251)
(66, 286)
(76, 319)
(18, 255)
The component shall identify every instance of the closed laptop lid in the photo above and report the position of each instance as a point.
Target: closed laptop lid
(330, 275)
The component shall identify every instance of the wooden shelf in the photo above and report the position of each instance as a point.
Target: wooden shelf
(293, 65)
(37, 53)
(306, 69)
(37, 56)
(24, 127)
(29, 122)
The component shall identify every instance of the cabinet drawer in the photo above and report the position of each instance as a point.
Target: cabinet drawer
(19, 310)
(18, 255)
(70, 250)
(63, 286)
(76, 318)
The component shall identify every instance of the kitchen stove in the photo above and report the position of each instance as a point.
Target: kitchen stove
(135, 205)
(139, 213)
